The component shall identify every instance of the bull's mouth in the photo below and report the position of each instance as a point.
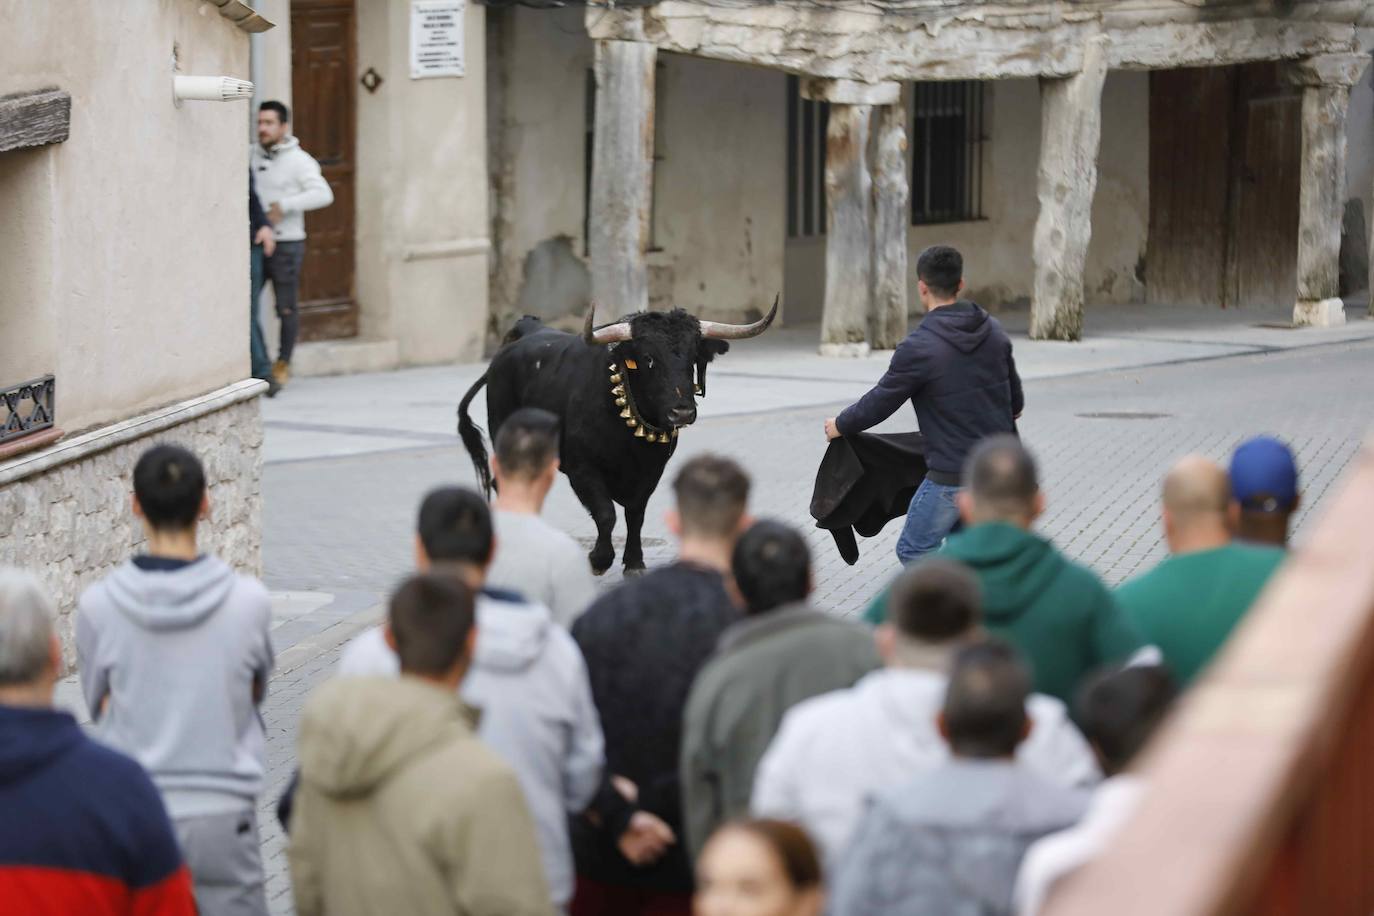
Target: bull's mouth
(625, 400)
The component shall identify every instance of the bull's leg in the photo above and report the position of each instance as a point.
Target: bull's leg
(634, 551)
(592, 492)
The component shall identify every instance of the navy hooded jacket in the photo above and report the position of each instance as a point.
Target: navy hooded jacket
(957, 371)
(84, 828)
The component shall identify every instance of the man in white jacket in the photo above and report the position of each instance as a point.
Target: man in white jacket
(288, 184)
(527, 679)
(835, 750)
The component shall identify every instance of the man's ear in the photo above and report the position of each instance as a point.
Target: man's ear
(495, 464)
(135, 505)
(421, 555)
(491, 554)
(942, 726)
(1038, 505)
(470, 644)
(960, 288)
(964, 500)
(55, 656)
(389, 636)
(1233, 516)
(885, 641)
(673, 519)
(204, 511)
(1027, 727)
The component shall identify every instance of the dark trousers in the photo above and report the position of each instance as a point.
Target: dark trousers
(283, 268)
(257, 342)
(593, 898)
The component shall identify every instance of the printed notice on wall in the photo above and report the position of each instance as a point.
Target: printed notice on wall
(436, 38)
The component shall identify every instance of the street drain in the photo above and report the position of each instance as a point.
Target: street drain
(1123, 415)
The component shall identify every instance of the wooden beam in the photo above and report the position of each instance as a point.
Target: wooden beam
(891, 217)
(1070, 133)
(967, 40)
(622, 176)
(849, 234)
(29, 119)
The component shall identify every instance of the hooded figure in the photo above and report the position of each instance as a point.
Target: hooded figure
(529, 682)
(401, 809)
(171, 661)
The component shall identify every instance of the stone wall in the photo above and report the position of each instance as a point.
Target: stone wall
(71, 523)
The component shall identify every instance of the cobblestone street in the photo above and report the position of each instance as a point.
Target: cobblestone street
(341, 495)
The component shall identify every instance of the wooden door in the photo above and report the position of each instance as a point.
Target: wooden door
(1190, 160)
(323, 80)
(1225, 154)
(1263, 261)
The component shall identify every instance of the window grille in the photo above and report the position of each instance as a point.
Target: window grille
(947, 152)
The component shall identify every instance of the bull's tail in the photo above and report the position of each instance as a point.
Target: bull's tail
(471, 434)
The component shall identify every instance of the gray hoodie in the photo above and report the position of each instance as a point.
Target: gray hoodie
(529, 682)
(950, 842)
(176, 654)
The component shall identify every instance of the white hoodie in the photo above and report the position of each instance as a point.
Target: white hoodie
(530, 684)
(834, 751)
(289, 176)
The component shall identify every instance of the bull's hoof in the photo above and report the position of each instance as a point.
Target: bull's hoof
(601, 564)
(634, 572)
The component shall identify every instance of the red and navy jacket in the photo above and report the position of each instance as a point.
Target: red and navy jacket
(85, 830)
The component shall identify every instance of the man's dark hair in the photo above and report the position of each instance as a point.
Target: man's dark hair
(1119, 710)
(1001, 476)
(170, 485)
(772, 566)
(935, 600)
(985, 703)
(455, 527)
(282, 111)
(430, 617)
(712, 493)
(527, 443)
(941, 267)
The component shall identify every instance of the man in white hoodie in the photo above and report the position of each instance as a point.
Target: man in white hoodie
(527, 679)
(174, 653)
(288, 183)
(834, 751)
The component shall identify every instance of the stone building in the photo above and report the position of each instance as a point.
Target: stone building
(710, 154)
(123, 278)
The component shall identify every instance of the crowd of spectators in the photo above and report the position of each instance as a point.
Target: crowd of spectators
(512, 741)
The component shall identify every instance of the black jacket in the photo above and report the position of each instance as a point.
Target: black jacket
(864, 481)
(957, 370)
(257, 218)
(644, 644)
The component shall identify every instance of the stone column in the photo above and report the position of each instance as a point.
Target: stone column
(846, 315)
(891, 219)
(1325, 82)
(1070, 127)
(622, 175)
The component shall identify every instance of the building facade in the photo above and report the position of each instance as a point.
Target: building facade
(123, 279)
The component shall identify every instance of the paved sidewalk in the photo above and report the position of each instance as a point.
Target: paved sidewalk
(349, 458)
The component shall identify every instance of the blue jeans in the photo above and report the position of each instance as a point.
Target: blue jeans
(932, 516)
(257, 344)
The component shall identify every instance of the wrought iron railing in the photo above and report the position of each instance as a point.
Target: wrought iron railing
(26, 408)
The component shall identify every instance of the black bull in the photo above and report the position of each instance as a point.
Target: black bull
(622, 393)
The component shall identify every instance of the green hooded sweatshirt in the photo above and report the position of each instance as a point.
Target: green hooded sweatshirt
(1058, 613)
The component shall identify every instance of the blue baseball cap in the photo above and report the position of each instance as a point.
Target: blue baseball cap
(1264, 477)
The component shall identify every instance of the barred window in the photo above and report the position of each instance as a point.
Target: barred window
(806, 125)
(947, 152)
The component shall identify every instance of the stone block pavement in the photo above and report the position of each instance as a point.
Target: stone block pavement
(348, 460)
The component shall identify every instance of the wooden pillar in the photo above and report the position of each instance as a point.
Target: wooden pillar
(1325, 83)
(1070, 128)
(891, 219)
(849, 260)
(622, 175)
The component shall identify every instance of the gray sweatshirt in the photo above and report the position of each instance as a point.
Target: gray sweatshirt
(529, 682)
(176, 655)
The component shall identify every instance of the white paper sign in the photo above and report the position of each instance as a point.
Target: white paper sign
(436, 38)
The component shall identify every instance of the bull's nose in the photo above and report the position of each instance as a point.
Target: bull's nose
(682, 416)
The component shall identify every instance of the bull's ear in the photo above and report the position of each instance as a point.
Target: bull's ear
(711, 348)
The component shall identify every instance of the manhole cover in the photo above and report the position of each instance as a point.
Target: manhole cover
(1123, 415)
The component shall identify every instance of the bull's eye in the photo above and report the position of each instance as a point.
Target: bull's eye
(650, 362)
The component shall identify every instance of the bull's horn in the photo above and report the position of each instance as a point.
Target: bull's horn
(718, 331)
(611, 333)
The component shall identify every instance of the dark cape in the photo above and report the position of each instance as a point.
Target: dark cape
(865, 481)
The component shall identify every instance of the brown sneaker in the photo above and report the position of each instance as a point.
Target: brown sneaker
(281, 373)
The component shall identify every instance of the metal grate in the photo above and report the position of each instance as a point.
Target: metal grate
(947, 152)
(26, 408)
(807, 122)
